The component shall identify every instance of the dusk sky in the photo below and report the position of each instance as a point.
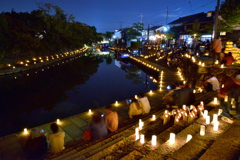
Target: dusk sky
(107, 15)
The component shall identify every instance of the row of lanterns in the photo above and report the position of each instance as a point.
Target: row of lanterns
(54, 65)
(26, 63)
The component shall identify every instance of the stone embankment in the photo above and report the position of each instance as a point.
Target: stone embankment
(25, 66)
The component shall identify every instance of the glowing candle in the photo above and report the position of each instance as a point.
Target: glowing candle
(137, 133)
(184, 107)
(202, 130)
(205, 114)
(215, 126)
(225, 98)
(58, 121)
(232, 100)
(185, 116)
(215, 100)
(189, 137)
(116, 103)
(203, 64)
(136, 97)
(172, 138)
(154, 140)
(202, 103)
(194, 91)
(153, 117)
(25, 131)
(219, 112)
(222, 66)
(90, 111)
(165, 119)
(142, 138)
(208, 120)
(222, 85)
(199, 63)
(150, 91)
(215, 118)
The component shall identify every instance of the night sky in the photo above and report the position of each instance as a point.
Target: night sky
(107, 15)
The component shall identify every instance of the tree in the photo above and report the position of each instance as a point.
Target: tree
(222, 27)
(108, 35)
(135, 31)
(230, 12)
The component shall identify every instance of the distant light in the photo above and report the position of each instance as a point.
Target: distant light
(168, 87)
(165, 29)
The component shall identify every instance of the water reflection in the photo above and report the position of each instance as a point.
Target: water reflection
(42, 90)
(66, 90)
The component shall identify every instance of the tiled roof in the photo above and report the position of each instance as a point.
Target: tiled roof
(155, 27)
(186, 19)
(201, 18)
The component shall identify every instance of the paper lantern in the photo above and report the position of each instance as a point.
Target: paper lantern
(172, 138)
(137, 133)
(142, 138)
(215, 126)
(215, 100)
(153, 117)
(154, 140)
(202, 130)
(189, 137)
(208, 120)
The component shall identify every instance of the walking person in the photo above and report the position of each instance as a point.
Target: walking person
(217, 49)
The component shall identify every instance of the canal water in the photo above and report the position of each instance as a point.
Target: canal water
(42, 95)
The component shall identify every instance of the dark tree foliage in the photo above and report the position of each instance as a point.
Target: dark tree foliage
(42, 32)
(230, 12)
(135, 31)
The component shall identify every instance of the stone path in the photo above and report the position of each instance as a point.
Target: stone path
(74, 126)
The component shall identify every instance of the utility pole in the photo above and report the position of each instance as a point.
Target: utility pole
(141, 15)
(148, 34)
(216, 20)
(167, 16)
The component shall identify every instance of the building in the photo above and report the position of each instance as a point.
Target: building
(185, 25)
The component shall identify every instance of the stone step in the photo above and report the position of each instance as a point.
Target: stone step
(106, 143)
(163, 148)
(199, 144)
(95, 147)
(126, 134)
(227, 145)
(162, 138)
(123, 147)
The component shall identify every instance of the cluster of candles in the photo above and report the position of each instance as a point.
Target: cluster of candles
(160, 81)
(47, 57)
(200, 63)
(186, 115)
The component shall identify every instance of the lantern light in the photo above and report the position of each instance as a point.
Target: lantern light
(172, 138)
(202, 130)
(25, 131)
(154, 140)
(142, 138)
(189, 137)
